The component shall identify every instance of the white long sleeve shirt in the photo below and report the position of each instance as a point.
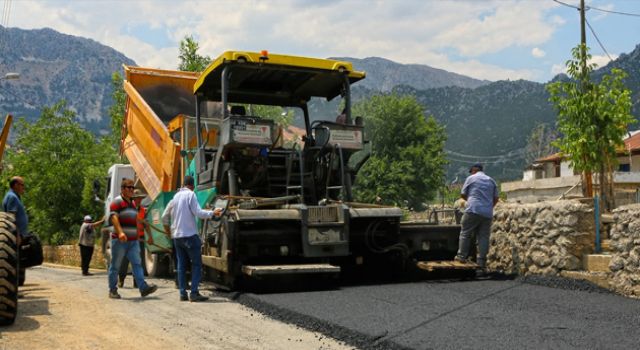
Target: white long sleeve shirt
(182, 211)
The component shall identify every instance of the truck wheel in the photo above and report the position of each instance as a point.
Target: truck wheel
(228, 279)
(22, 276)
(157, 264)
(8, 270)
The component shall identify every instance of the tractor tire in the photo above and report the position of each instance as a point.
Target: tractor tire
(157, 265)
(22, 276)
(8, 270)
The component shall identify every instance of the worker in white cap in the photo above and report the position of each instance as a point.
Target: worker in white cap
(86, 242)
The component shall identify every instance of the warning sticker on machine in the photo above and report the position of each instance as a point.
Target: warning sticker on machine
(254, 134)
(348, 139)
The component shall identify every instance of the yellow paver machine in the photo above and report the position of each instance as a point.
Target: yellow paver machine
(288, 210)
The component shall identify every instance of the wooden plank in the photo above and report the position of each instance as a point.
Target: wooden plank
(250, 270)
(446, 265)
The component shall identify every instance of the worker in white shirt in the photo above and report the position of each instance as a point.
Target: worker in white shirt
(181, 212)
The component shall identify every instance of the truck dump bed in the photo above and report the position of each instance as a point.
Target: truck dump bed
(154, 97)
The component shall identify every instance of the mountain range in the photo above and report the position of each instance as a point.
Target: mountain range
(485, 121)
(55, 66)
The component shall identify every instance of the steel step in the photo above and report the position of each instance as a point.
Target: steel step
(264, 270)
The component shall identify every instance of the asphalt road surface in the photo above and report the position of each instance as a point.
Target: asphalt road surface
(454, 314)
(61, 309)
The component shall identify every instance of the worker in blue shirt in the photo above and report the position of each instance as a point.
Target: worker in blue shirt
(481, 193)
(12, 203)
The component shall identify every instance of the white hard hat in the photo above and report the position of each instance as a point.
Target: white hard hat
(87, 218)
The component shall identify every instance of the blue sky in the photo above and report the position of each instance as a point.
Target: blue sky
(484, 39)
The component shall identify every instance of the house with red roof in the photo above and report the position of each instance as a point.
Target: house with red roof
(552, 177)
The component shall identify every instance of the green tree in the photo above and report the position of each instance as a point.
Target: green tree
(277, 114)
(593, 119)
(406, 167)
(190, 60)
(58, 159)
(117, 109)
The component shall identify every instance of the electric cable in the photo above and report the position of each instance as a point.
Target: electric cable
(598, 9)
(517, 153)
(597, 39)
(569, 5)
(614, 12)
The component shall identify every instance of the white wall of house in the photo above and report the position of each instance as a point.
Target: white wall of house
(635, 162)
(626, 177)
(528, 175)
(565, 169)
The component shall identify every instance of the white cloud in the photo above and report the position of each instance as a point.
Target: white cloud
(602, 60)
(558, 68)
(537, 52)
(409, 31)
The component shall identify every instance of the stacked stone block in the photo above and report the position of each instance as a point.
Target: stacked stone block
(625, 250)
(70, 255)
(541, 238)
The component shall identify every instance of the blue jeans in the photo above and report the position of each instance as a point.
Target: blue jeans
(130, 249)
(481, 226)
(188, 249)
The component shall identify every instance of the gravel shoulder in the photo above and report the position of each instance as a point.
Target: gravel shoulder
(60, 309)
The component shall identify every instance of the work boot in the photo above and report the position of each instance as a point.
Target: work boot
(481, 273)
(184, 298)
(460, 259)
(197, 297)
(150, 289)
(113, 294)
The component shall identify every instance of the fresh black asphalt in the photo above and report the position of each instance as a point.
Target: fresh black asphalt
(498, 313)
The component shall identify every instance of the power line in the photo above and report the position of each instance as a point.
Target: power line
(515, 153)
(614, 12)
(598, 9)
(568, 5)
(481, 161)
(598, 40)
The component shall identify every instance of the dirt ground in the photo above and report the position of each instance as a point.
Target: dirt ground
(60, 309)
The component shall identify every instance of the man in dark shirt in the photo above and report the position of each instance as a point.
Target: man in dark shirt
(12, 203)
(124, 240)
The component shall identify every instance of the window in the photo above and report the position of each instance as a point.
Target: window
(624, 168)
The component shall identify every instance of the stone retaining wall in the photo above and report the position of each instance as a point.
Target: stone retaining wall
(625, 250)
(541, 238)
(70, 255)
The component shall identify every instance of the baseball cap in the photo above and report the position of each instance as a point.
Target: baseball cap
(87, 218)
(138, 194)
(476, 165)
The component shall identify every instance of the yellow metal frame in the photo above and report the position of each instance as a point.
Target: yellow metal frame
(4, 136)
(282, 60)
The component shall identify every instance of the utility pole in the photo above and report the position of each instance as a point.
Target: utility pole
(583, 38)
(587, 176)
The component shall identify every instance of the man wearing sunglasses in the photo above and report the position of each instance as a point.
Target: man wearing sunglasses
(124, 240)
